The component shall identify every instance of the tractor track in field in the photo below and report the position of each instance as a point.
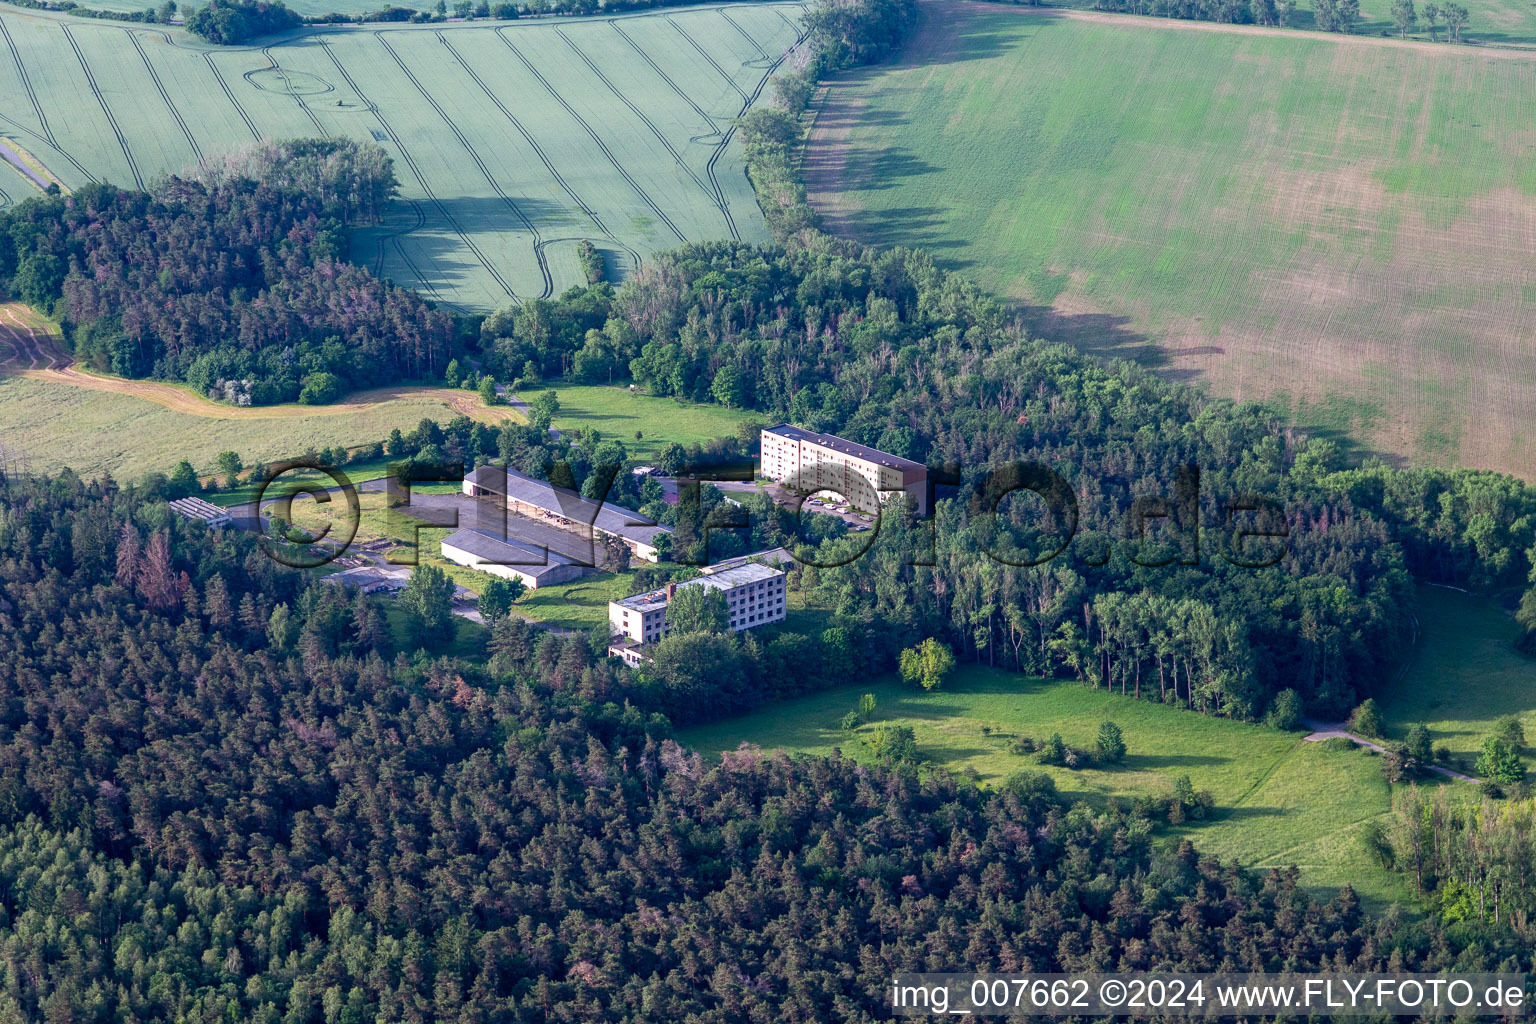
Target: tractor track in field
(160, 88)
(706, 55)
(709, 119)
(712, 190)
(26, 83)
(764, 59)
(266, 51)
(229, 94)
(416, 172)
(644, 196)
(538, 150)
(511, 204)
(90, 80)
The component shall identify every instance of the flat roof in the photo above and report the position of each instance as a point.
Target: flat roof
(197, 508)
(725, 579)
(542, 494)
(364, 576)
(842, 444)
(513, 554)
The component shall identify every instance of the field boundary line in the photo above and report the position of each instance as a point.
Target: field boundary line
(1489, 50)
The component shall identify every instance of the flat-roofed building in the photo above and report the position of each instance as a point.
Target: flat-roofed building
(538, 499)
(809, 461)
(510, 559)
(197, 510)
(368, 579)
(754, 596)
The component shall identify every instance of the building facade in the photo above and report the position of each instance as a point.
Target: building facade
(808, 461)
(754, 596)
(540, 500)
(510, 559)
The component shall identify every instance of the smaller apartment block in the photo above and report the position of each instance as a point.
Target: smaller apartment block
(754, 596)
(808, 461)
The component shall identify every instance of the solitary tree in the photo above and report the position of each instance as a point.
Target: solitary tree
(1431, 15)
(1499, 762)
(1419, 745)
(487, 390)
(229, 464)
(1404, 16)
(1455, 20)
(1366, 721)
(427, 601)
(497, 598)
(927, 664)
(1111, 744)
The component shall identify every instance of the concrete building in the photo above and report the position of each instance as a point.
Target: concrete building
(367, 579)
(538, 499)
(510, 559)
(754, 596)
(808, 461)
(197, 510)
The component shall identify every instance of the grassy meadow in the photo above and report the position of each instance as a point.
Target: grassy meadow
(1464, 676)
(513, 141)
(1280, 800)
(1340, 226)
(57, 425)
(617, 413)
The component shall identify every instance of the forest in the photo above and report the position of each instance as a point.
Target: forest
(210, 810)
(235, 281)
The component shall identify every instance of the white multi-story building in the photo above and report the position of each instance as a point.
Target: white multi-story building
(808, 461)
(754, 596)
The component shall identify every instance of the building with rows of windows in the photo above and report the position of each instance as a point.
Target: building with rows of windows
(754, 596)
(864, 476)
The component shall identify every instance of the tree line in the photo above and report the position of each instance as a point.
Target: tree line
(235, 282)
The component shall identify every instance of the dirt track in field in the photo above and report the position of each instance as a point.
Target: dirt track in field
(32, 351)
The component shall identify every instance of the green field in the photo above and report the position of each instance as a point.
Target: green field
(617, 413)
(513, 141)
(1465, 675)
(56, 425)
(1280, 799)
(1503, 23)
(1341, 225)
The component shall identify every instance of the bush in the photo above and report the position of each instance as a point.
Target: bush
(1511, 731)
(849, 722)
(1022, 745)
(1366, 719)
(320, 389)
(1418, 743)
(1052, 751)
(894, 744)
(927, 664)
(1285, 711)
